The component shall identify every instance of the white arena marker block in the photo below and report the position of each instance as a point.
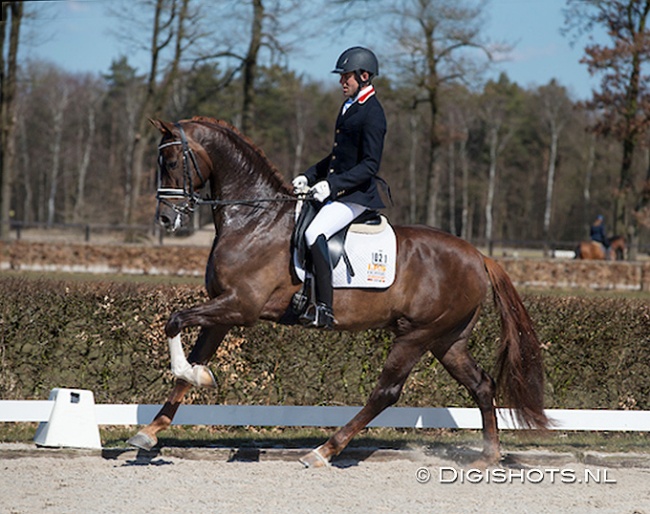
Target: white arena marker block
(72, 423)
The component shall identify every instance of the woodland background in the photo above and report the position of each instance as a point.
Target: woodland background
(484, 159)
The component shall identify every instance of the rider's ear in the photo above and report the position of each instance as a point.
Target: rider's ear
(164, 127)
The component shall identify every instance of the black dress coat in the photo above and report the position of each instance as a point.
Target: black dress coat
(352, 167)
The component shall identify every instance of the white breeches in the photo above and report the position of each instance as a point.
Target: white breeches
(331, 218)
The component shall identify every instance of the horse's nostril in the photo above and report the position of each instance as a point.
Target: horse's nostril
(165, 221)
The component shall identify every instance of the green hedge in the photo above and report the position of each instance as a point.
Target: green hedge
(108, 337)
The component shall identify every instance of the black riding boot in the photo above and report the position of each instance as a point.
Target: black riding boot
(321, 314)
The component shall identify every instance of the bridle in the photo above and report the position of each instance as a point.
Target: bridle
(189, 193)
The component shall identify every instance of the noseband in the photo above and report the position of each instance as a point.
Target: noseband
(164, 194)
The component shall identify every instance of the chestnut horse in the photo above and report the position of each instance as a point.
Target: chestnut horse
(432, 306)
(593, 250)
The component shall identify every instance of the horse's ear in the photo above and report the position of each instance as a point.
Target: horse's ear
(164, 127)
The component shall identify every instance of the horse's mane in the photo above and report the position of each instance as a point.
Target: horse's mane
(257, 153)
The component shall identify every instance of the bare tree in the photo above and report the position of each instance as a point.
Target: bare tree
(500, 126)
(250, 66)
(184, 31)
(556, 109)
(28, 196)
(58, 104)
(434, 38)
(462, 113)
(86, 142)
(8, 70)
(589, 169)
(413, 197)
(624, 97)
(257, 26)
(167, 44)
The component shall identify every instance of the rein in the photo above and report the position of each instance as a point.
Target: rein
(244, 201)
(163, 194)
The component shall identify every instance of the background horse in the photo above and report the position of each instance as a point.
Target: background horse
(432, 306)
(593, 250)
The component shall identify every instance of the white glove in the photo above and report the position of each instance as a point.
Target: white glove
(321, 190)
(300, 185)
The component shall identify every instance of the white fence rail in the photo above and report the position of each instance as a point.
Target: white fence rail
(261, 415)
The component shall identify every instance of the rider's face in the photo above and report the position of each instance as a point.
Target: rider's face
(349, 83)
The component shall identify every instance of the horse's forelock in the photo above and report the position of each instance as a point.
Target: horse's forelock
(240, 139)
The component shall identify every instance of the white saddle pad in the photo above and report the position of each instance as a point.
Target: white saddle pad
(372, 252)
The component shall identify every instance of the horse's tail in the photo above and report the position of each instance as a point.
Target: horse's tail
(578, 251)
(519, 369)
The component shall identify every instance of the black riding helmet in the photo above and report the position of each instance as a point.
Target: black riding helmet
(357, 59)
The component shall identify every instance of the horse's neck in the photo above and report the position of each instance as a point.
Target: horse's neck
(248, 186)
(242, 172)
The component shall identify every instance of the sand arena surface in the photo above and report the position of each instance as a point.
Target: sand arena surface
(48, 481)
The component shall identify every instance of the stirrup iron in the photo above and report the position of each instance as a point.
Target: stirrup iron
(318, 316)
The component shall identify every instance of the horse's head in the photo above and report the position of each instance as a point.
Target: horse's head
(183, 169)
(617, 244)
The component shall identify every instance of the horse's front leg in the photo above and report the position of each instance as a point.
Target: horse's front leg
(147, 438)
(222, 310)
(194, 374)
(205, 347)
(226, 309)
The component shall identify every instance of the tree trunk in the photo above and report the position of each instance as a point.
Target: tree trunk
(625, 222)
(57, 125)
(8, 110)
(83, 166)
(549, 188)
(300, 136)
(155, 98)
(643, 208)
(28, 213)
(452, 188)
(589, 171)
(250, 68)
(413, 194)
(433, 181)
(492, 175)
(462, 151)
(126, 137)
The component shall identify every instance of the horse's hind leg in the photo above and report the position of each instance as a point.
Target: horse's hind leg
(205, 347)
(401, 359)
(462, 366)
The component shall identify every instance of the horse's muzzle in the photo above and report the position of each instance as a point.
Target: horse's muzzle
(170, 218)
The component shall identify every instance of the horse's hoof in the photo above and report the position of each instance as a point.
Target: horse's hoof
(197, 375)
(203, 377)
(314, 459)
(142, 441)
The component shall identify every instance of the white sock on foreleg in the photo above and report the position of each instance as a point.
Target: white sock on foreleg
(180, 367)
